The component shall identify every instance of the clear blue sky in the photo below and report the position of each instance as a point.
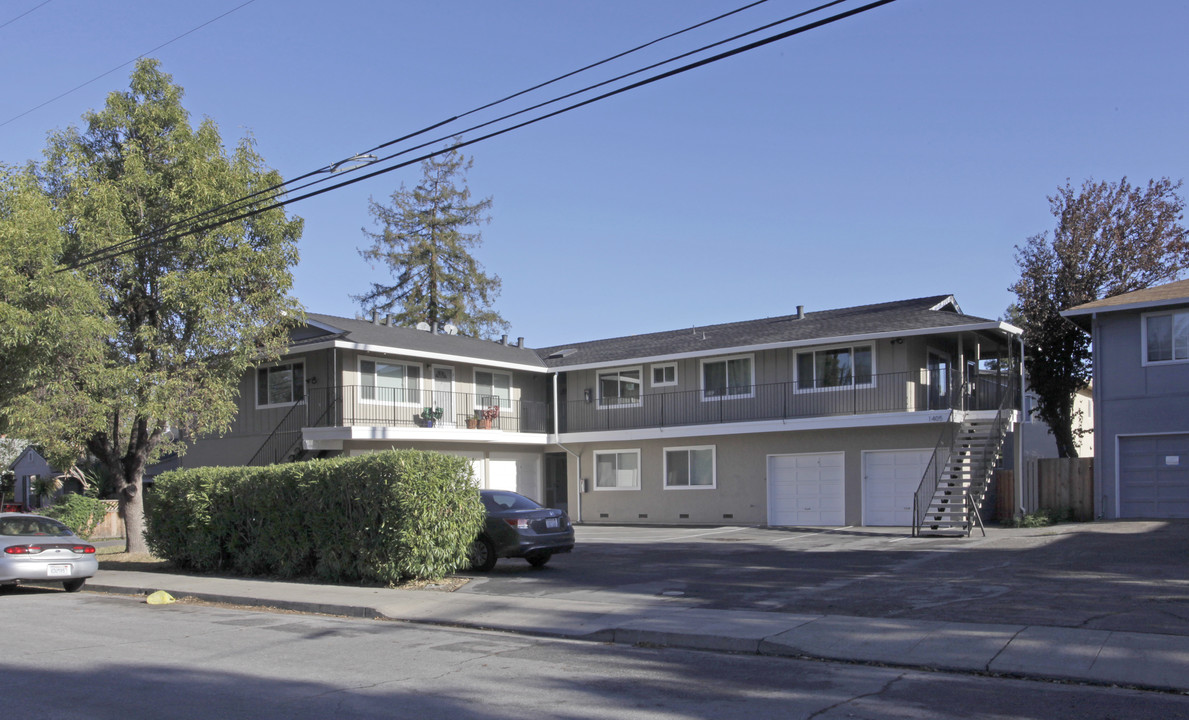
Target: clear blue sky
(897, 154)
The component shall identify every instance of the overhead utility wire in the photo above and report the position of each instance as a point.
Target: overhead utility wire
(647, 81)
(18, 17)
(124, 64)
(361, 157)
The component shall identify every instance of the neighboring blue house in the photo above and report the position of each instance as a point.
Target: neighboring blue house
(1141, 401)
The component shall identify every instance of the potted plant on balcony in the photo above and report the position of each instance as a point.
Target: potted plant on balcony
(488, 415)
(430, 415)
(473, 422)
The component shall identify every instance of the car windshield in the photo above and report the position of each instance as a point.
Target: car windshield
(33, 526)
(495, 501)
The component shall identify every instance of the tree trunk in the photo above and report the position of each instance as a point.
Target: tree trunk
(132, 510)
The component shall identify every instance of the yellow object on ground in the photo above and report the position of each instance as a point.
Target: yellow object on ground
(160, 598)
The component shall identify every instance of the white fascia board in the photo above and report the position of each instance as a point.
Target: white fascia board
(326, 435)
(1100, 309)
(405, 352)
(836, 340)
(765, 426)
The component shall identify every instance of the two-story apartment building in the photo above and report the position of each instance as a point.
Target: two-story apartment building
(816, 418)
(1140, 346)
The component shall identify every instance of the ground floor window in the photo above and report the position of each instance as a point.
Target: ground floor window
(617, 470)
(689, 467)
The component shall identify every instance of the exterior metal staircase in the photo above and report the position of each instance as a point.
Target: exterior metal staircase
(956, 480)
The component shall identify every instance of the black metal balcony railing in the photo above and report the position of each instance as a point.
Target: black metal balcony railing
(364, 405)
(884, 393)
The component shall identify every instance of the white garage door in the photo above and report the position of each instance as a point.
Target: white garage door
(806, 489)
(890, 480)
(1154, 476)
(518, 472)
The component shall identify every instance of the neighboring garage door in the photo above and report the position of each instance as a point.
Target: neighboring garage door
(518, 472)
(1154, 476)
(806, 489)
(890, 481)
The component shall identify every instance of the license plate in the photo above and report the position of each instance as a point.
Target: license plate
(58, 570)
(550, 522)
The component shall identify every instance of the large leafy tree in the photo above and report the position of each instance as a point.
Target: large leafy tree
(1111, 238)
(126, 357)
(424, 243)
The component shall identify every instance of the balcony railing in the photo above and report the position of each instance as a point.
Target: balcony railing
(884, 393)
(363, 405)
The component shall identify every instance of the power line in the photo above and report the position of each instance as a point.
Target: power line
(132, 245)
(121, 65)
(18, 17)
(275, 190)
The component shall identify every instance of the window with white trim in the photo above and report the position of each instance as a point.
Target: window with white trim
(618, 388)
(388, 381)
(1166, 337)
(493, 388)
(732, 377)
(617, 470)
(690, 467)
(280, 385)
(842, 367)
(664, 375)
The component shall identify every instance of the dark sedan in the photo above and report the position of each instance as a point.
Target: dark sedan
(518, 527)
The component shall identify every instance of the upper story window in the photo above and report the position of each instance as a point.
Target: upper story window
(732, 377)
(1166, 337)
(493, 388)
(617, 470)
(664, 375)
(618, 388)
(835, 368)
(389, 381)
(280, 384)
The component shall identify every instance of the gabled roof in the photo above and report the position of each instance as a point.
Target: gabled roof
(939, 313)
(1173, 293)
(376, 337)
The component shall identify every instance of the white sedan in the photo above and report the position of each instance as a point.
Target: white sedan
(39, 549)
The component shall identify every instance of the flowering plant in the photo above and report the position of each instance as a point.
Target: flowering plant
(491, 413)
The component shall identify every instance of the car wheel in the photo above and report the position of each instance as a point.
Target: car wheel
(74, 585)
(482, 555)
(539, 560)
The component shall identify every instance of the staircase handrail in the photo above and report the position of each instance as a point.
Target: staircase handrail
(926, 489)
(285, 426)
(993, 446)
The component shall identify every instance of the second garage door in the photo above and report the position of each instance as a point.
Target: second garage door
(806, 489)
(1154, 476)
(890, 480)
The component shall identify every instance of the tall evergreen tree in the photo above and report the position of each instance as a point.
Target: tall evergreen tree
(1110, 239)
(423, 242)
(125, 356)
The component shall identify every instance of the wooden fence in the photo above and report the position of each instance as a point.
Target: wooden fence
(1053, 484)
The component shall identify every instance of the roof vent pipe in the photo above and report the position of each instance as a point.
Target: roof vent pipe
(520, 342)
(800, 312)
(375, 317)
(503, 340)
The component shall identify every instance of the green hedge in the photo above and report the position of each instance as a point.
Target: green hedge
(386, 517)
(80, 513)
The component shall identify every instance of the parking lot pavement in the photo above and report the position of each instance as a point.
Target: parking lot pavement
(1120, 576)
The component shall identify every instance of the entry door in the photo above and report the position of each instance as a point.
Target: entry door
(939, 381)
(443, 393)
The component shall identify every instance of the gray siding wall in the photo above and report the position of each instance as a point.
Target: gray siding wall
(1130, 399)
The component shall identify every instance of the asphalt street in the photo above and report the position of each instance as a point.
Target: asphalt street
(1124, 575)
(75, 656)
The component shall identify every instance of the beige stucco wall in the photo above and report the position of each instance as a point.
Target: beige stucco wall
(740, 495)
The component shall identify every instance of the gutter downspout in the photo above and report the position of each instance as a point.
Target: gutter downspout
(1019, 444)
(556, 436)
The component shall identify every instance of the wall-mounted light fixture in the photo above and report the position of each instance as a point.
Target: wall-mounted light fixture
(588, 394)
(311, 381)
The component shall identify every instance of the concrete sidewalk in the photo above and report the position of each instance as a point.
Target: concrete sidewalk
(1099, 656)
